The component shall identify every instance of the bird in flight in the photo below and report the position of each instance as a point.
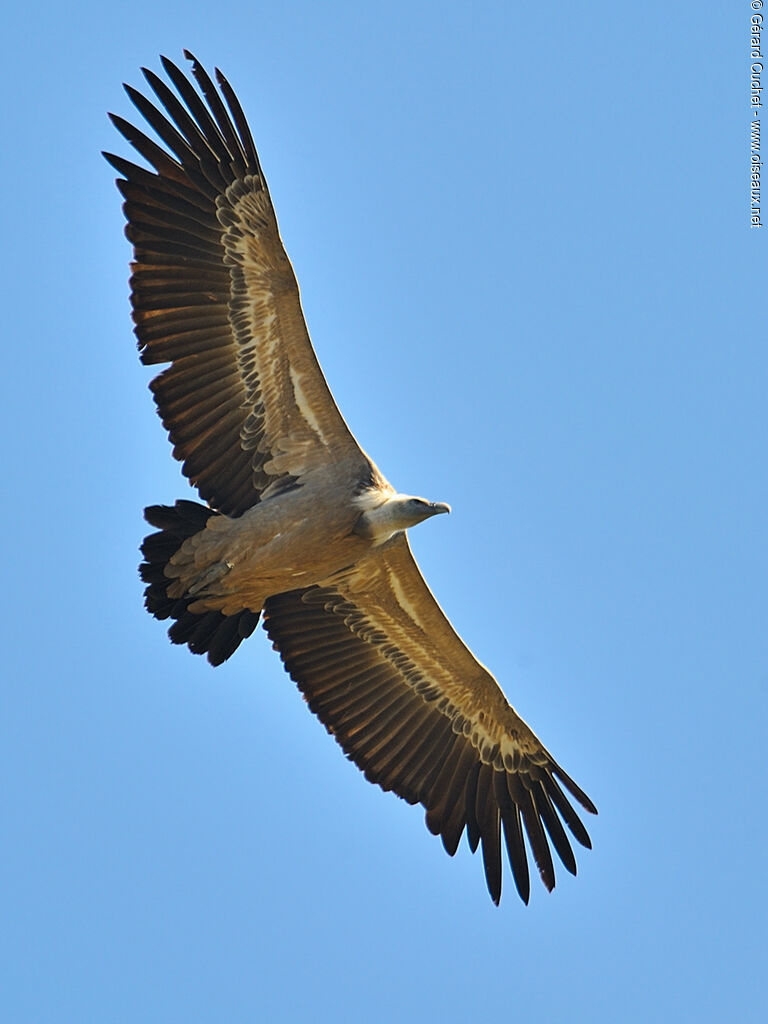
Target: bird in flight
(299, 528)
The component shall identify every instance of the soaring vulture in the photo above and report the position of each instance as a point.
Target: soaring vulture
(300, 529)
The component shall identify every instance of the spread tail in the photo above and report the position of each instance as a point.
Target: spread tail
(208, 632)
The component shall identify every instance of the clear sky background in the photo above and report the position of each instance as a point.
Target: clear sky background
(523, 243)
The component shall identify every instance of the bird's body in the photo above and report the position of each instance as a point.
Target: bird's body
(280, 544)
(300, 529)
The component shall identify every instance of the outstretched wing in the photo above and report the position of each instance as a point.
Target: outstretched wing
(383, 669)
(244, 400)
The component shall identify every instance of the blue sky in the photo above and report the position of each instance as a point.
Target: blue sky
(523, 244)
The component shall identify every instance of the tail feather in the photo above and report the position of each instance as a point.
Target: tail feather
(209, 632)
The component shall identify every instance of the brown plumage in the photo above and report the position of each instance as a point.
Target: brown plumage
(301, 529)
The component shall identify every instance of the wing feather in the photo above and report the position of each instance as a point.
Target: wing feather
(513, 836)
(200, 114)
(384, 671)
(554, 827)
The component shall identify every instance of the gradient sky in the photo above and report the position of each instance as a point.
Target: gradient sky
(523, 244)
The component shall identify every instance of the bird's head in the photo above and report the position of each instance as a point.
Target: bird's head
(398, 512)
(407, 510)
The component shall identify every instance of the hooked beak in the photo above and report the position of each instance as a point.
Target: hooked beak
(436, 507)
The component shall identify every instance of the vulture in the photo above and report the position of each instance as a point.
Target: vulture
(299, 529)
